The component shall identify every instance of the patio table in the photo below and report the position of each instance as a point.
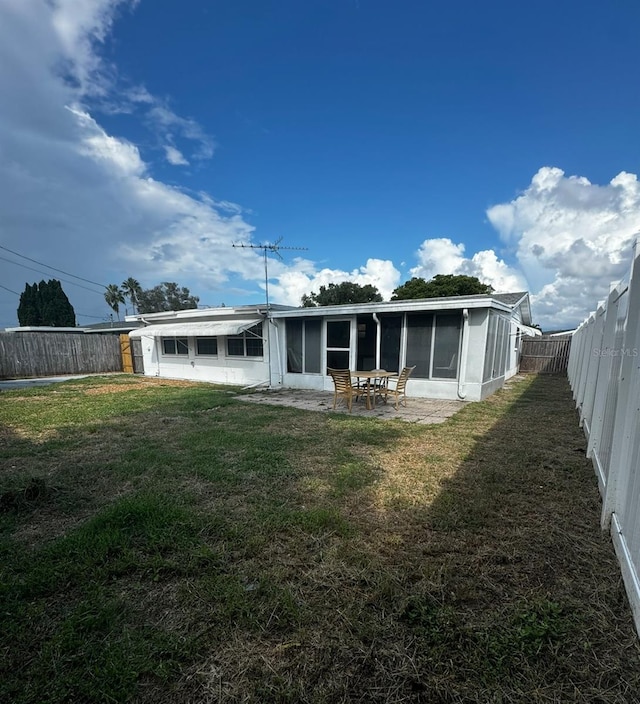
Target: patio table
(377, 375)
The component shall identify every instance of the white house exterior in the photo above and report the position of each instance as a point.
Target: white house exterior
(462, 347)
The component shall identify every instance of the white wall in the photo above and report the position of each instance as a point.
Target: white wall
(240, 371)
(468, 386)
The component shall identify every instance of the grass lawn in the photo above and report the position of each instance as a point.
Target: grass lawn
(164, 542)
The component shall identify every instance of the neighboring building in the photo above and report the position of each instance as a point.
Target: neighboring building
(114, 327)
(462, 347)
(117, 328)
(43, 328)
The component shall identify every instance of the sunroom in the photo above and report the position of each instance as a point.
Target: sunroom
(460, 347)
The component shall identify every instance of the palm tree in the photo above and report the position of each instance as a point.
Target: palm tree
(131, 289)
(114, 297)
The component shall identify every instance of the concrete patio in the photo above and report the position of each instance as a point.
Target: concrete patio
(417, 410)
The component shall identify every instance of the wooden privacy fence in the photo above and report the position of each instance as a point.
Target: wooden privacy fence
(545, 354)
(604, 373)
(32, 354)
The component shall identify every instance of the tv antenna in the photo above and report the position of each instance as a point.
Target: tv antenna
(274, 247)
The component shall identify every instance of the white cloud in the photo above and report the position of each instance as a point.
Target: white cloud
(118, 155)
(572, 238)
(301, 277)
(79, 25)
(443, 256)
(175, 156)
(172, 126)
(82, 199)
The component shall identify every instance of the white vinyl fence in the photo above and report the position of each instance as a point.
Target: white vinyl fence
(604, 373)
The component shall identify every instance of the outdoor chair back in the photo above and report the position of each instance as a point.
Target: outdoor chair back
(397, 387)
(342, 386)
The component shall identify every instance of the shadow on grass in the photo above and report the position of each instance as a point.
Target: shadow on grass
(519, 597)
(261, 554)
(484, 577)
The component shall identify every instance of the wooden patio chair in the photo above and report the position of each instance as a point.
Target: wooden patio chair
(342, 386)
(399, 388)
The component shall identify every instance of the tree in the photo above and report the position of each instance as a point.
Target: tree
(56, 310)
(131, 289)
(46, 304)
(166, 296)
(439, 286)
(345, 292)
(29, 308)
(114, 297)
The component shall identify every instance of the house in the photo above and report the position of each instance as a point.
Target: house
(462, 347)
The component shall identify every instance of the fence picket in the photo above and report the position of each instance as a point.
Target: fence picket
(34, 354)
(545, 354)
(604, 374)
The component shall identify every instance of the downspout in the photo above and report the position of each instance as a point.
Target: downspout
(463, 353)
(279, 358)
(378, 340)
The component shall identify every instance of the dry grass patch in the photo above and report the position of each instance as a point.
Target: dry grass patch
(221, 551)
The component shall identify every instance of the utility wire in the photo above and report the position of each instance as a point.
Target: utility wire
(8, 289)
(46, 273)
(86, 315)
(35, 261)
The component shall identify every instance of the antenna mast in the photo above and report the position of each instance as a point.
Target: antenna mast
(274, 247)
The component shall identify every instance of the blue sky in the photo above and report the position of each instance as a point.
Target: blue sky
(390, 140)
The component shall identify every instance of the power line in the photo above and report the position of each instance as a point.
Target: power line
(46, 273)
(86, 315)
(8, 289)
(66, 273)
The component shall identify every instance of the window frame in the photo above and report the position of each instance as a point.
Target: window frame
(177, 342)
(342, 350)
(251, 334)
(304, 341)
(206, 354)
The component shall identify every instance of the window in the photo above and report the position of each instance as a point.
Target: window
(338, 343)
(445, 346)
(303, 346)
(294, 346)
(490, 346)
(207, 346)
(391, 329)
(497, 346)
(175, 345)
(419, 331)
(504, 346)
(312, 352)
(366, 342)
(432, 344)
(247, 344)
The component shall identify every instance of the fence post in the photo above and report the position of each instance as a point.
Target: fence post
(604, 376)
(587, 358)
(575, 357)
(593, 369)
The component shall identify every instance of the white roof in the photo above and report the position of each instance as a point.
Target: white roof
(528, 330)
(202, 329)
